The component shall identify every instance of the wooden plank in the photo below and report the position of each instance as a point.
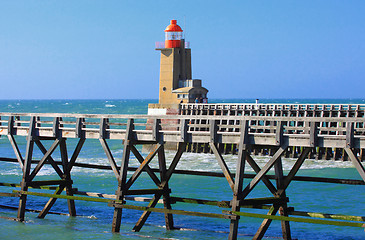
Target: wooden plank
(171, 211)
(296, 219)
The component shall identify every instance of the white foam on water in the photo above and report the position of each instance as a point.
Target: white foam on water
(109, 105)
(188, 161)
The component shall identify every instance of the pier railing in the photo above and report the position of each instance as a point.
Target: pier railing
(340, 132)
(292, 110)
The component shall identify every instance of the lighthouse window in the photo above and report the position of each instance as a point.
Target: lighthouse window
(164, 89)
(182, 95)
(173, 35)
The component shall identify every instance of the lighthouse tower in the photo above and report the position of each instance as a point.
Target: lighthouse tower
(176, 83)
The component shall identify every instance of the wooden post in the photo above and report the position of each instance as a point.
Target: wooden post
(166, 193)
(121, 191)
(238, 180)
(67, 177)
(26, 169)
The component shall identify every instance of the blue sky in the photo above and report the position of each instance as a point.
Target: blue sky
(240, 49)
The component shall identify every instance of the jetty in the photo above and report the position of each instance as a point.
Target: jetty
(246, 131)
(334, 111)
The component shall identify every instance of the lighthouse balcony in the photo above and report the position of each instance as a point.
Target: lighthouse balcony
(161, 45)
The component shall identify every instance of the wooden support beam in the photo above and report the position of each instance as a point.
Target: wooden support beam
(110, 157)
(144, 165)
(16, 151)
(263, 171)
(180, 150)
(103, 126)
(184, 130)
(265, 178)
(166, 194)
(222, 164)
(75, 154)
(26, 169)
(49, 158)
(313, 134)
(238, 180)
(79, 132)
(294, 170)
(349, 134)
(121, 191)
(141, 221)
(156, 127)
(44, 158)
(359, 167)
(163, 185)
(283, 207)
(57, 132)
(266, 223)
(67, 176)
(51, 202)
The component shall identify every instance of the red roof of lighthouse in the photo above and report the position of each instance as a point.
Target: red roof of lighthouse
(173, 27)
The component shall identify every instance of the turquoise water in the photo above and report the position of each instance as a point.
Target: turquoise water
(94, 220)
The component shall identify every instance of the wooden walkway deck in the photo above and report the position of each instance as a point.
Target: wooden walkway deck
(275, 132)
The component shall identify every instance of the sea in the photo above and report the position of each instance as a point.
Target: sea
(94, 219)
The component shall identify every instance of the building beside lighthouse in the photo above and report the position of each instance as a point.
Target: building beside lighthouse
(176, 83)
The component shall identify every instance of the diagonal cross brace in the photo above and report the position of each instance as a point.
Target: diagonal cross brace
(146, 167)
(144, 164)
(223, 165)
(110, 157)
(47, 156)
(263, 171)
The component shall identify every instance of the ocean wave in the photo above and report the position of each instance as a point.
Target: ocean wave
(109, 105)
(188, 161)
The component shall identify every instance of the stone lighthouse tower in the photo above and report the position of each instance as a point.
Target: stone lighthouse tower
(176, 83)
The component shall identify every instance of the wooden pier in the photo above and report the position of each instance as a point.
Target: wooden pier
(278, 110)
(244, 129)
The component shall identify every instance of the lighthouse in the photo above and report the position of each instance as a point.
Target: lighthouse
(176, 84)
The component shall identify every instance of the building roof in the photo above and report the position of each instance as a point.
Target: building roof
(190, 89)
